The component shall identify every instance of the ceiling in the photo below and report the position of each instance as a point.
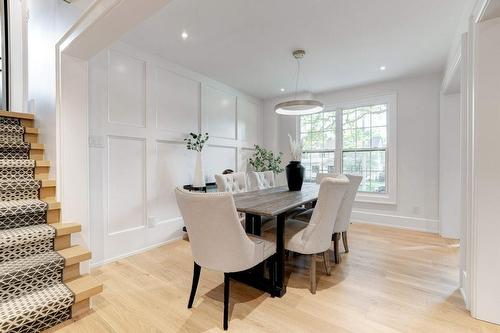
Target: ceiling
(247, 44)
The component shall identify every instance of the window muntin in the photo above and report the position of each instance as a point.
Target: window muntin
(363, 144)
(317, 132)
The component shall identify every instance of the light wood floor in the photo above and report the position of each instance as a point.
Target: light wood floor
(391, 281)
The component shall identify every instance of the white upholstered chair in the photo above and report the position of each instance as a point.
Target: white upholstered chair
(344, 215)
(314, 237)
(218, 241)
(233, 182)
(260, 180)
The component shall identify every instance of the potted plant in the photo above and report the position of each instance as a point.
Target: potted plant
(295, 170)
(265, 160)
(196, 142)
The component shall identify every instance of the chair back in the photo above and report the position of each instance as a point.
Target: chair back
(320, 176)
(217, 239)
(260, 180)
(318, 234)
(234, 182)
(345, 211)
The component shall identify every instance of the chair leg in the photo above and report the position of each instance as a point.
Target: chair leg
(336, 241)
(344, 240)
(194, 286)
(312, 274)
(226, 300)
(326, 261)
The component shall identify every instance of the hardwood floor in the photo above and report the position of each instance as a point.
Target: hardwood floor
(392, 280)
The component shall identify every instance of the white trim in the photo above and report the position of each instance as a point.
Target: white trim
(131, 253)
(396, 221)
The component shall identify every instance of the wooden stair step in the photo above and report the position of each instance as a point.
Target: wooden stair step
(31, 134)
(84, 287)
(63, 234)
(42, 163)
(36, 151)
(48, 183)
(18, 115)
(54, 210)
(31, 130)
(63, 229)
(75, 255)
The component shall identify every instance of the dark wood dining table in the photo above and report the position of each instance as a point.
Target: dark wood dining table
(276, 202)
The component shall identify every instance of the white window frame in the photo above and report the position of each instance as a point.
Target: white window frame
(390, 196)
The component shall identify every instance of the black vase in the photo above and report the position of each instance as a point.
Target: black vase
(295, 175)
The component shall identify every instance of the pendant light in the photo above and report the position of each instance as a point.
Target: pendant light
(299, 107)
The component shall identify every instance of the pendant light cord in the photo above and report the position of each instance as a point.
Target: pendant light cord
(297, 79)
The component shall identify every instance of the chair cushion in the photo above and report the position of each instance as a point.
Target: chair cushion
(268, 246)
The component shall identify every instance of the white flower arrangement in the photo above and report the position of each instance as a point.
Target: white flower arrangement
(295, 149)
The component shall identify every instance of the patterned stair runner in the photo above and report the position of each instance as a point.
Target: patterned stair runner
(33, 296)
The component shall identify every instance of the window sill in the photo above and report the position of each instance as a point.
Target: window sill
(380, 199)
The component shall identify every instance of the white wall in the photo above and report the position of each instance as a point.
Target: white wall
(486, 179)
(141, 108)
(48, 21)
(449, 167)
(418, 148)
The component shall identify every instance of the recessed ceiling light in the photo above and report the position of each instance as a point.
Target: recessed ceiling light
(184, 35)
(383, 68)
(282, 89)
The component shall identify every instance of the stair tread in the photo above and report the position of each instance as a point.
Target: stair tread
(30, 262)
(30, 234)
(18, 163)
(19, 115)
(66, 228)
(31, 130)
(75, 254)
(13, 207)
(84, 287)
(42, 163)
(23, 310)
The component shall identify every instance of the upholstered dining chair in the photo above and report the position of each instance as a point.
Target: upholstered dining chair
(260, 180)
(233, 182)
(344, 215)
(218, 242)
(315, 237)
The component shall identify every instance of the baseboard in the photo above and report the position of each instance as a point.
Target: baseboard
(141, 250)
(396, 221)
(463, 283)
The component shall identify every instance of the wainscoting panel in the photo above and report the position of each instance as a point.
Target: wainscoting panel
(177, 101)
(217, 159)
(127, 90)
(174, 167)
(141, 107)
(126, 184)
(248, 121)
(218, 112)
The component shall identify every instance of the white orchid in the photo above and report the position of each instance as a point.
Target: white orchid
(295, 149)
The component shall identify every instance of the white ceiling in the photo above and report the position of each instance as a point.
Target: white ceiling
(247, 44)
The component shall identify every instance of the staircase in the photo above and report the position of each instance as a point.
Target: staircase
(40, 281)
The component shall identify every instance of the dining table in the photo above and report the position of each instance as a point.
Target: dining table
(275, 202)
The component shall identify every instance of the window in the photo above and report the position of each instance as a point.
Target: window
(356, 138)
(317, 133)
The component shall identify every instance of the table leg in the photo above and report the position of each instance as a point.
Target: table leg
(249, 223)
(280, 255)
(257, 225)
